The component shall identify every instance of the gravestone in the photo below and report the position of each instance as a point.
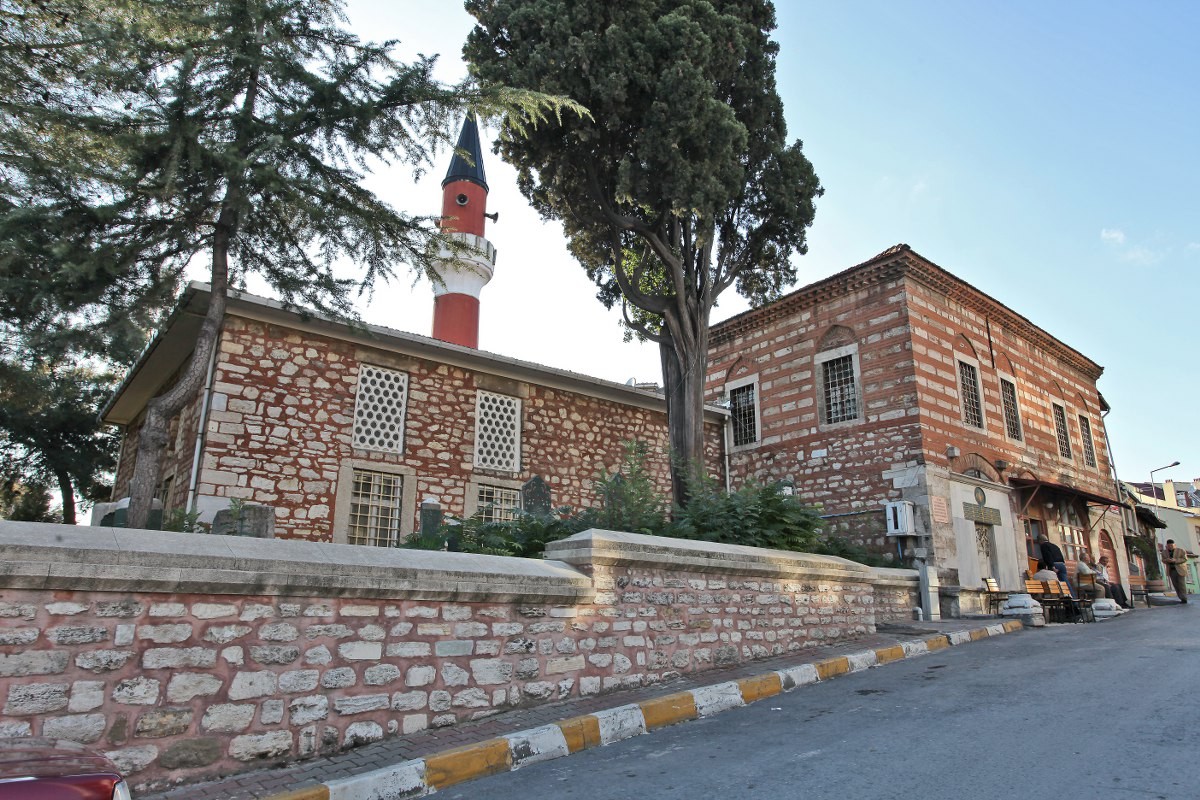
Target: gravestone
(254, 521)
(431, 522)
(535, 496)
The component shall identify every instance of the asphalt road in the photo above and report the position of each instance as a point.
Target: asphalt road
(1109, 710)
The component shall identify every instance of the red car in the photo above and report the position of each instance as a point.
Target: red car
(55, 769)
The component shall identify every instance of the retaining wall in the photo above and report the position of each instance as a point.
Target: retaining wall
(183, 656)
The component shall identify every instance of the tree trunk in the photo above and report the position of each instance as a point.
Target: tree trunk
(152, 440)
(155, 431)
(685, 365)
(68, 495)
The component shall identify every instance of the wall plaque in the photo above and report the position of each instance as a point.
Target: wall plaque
(940, 510)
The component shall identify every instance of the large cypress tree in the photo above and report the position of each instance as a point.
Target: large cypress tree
(238, 133)
(680, 184)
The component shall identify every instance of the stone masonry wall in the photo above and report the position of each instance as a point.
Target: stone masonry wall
(943, 331)
(838, 466)
(298, 651)
(908, 324)
(282, 412)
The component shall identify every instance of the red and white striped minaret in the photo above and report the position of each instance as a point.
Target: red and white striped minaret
(467, 269)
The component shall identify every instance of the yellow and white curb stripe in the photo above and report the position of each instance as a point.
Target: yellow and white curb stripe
(439, 771)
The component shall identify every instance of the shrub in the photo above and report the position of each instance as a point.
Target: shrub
(756, 514)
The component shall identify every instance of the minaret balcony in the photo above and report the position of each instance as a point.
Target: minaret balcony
(468, 247)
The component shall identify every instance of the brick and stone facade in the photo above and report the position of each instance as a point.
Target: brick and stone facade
(279, 418)
(182, 656)
(928, 362)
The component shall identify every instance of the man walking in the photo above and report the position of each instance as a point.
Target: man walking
(1176, 560)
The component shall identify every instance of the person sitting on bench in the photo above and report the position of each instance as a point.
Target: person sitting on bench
(1115, 590)
(1083, 569)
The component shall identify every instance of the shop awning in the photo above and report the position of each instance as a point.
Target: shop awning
(1091, 497)
(1147, 516)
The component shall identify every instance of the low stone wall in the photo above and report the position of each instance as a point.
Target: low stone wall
(183, 656)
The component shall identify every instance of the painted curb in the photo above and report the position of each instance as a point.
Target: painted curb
(423, 776)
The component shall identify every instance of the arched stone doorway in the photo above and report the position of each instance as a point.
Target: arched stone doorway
(1107, 548)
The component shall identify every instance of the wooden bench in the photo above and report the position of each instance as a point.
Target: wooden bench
(1138, 588)
(1089, 588)
(1060, 606)
(995, 597)
(1040, 591)
(1079, 609)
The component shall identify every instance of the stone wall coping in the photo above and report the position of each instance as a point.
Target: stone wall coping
(893, 576)
(45, 556)
(603, 547)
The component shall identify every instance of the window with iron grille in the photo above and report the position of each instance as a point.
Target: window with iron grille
(163, 495)
(498, 504)
(1089, 447)
(376, 507)
(972, 408)
(379, 409)
(743, 415)
(498, 432)
(1060, 430)
(840, 391)
(1012, 419)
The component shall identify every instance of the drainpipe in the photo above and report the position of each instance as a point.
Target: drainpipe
(1125, 526)
(201, 427)
(725, 436)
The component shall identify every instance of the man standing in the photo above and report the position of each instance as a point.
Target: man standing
(1052, 558)
(1176, 560)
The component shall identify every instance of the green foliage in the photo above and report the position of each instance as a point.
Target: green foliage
(72, 75)
(629, 499)
(756, 514)
(26, 502)
(138, 137)
(50, 434)
(182, 521)
(524, 536)
(1148, 550)
(829, 544)
(680, 184)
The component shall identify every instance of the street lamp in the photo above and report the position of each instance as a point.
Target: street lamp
(1154, 494)
(1153, 490)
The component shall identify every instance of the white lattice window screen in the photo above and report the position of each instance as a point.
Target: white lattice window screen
(498, 432)
(1060, 431)
(376, 507)
(1089, 447)
(379, 409)
(498, 504)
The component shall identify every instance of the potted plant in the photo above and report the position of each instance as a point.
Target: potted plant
(1148, 550)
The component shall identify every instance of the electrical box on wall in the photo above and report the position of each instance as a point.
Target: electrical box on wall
(900, 521)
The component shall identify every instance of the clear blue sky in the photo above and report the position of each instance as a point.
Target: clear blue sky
(1044, 152)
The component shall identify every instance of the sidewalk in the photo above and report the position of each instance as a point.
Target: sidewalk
(419, 763)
